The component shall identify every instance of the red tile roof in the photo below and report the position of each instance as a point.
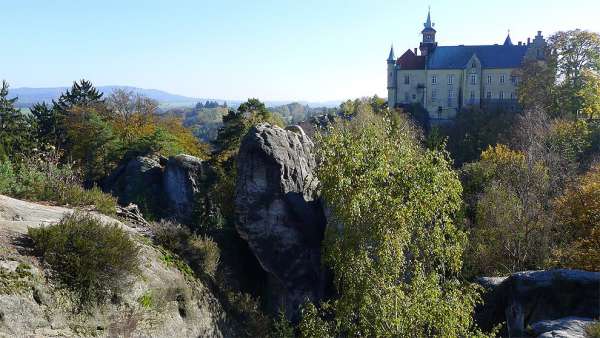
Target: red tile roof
(410, 60)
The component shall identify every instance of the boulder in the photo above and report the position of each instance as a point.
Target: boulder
(569, 327)
(279, 213)
(182, 178)
(528, 297)
(163, 187)
(139, 181)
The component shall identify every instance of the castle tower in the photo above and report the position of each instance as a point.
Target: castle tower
(428, 43)
(538, 48)
(391, 78)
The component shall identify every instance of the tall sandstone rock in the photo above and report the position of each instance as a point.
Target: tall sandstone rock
(279, 214)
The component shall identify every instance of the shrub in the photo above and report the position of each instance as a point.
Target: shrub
(42, 178)
(208, 253)
(593, 330)
(89, 257)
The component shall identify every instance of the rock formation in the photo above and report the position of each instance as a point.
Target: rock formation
(166, 188)
(279, 214)
(161, 301)
(529, 297)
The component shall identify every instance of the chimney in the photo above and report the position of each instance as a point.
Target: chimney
(520, 43)
(415, 50)
(539, 33)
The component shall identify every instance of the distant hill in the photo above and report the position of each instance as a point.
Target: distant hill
(29, 96)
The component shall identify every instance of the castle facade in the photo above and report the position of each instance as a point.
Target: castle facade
(445, 79)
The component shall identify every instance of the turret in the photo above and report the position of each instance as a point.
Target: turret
(508, 41)
(428, 43)
(391, 78)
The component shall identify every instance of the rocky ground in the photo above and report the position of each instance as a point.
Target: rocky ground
(163, 301)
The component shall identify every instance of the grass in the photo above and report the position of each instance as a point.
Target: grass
(87, 256)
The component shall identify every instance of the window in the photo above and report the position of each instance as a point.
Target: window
(501, 95)
(450, 93)
(488, 95)
(472, 97)
(473, 79)
(512, 95)
(433, 95)
(489, 79)
(514, 80)
(414, 96)
(450, 79)
(502, 78)
(474, 64)
(406, 97)
(406, 79)
(434, 79)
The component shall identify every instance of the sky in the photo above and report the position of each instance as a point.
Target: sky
(274, 50)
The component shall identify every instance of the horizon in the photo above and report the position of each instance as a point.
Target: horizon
(283, 54)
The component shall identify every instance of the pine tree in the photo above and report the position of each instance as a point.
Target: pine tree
(15, 127)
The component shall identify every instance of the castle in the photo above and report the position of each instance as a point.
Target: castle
(445, 79)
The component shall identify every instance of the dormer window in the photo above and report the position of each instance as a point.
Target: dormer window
(474, 64)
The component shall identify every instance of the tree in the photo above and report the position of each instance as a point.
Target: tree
(47, 123)
(392, 246)
(81, 94)
(510, 195)
(16, 129)
(578, 217)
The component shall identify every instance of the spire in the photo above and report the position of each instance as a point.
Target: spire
(391, 57)
(508, 41)
(428, 23)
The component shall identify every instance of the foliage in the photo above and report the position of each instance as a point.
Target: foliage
(578, 216)
(90, 257)
(282, 328)
(396, 263)
(207, 252)
(511, 202)
(473, 130)
(593, 330)
(364, 105)
(43, 178)
(16, 129)
(566, 83)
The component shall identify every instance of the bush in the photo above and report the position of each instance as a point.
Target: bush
(593, 330)
(89, 257)
(208, 253)
(42, 178)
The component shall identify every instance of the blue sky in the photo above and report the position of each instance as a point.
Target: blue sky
(273, 50)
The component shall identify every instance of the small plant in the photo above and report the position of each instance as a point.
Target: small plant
(282, 328)
(593, 330)
(208, 253)
(147, 300)
(89, 257)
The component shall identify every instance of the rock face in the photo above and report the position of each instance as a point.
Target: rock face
(278, 213)
(165, 187)
(525, 298)
(161, 301)
(182, 178)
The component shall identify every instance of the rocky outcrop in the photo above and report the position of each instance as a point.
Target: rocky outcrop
(182, 178)
(529, 297)
(166, 188)
(161, 301)
(570, 327)
(279, 214)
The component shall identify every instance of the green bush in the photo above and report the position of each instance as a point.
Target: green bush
(207, 252)
(593, 330)
(42, 178)
(89, 257)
